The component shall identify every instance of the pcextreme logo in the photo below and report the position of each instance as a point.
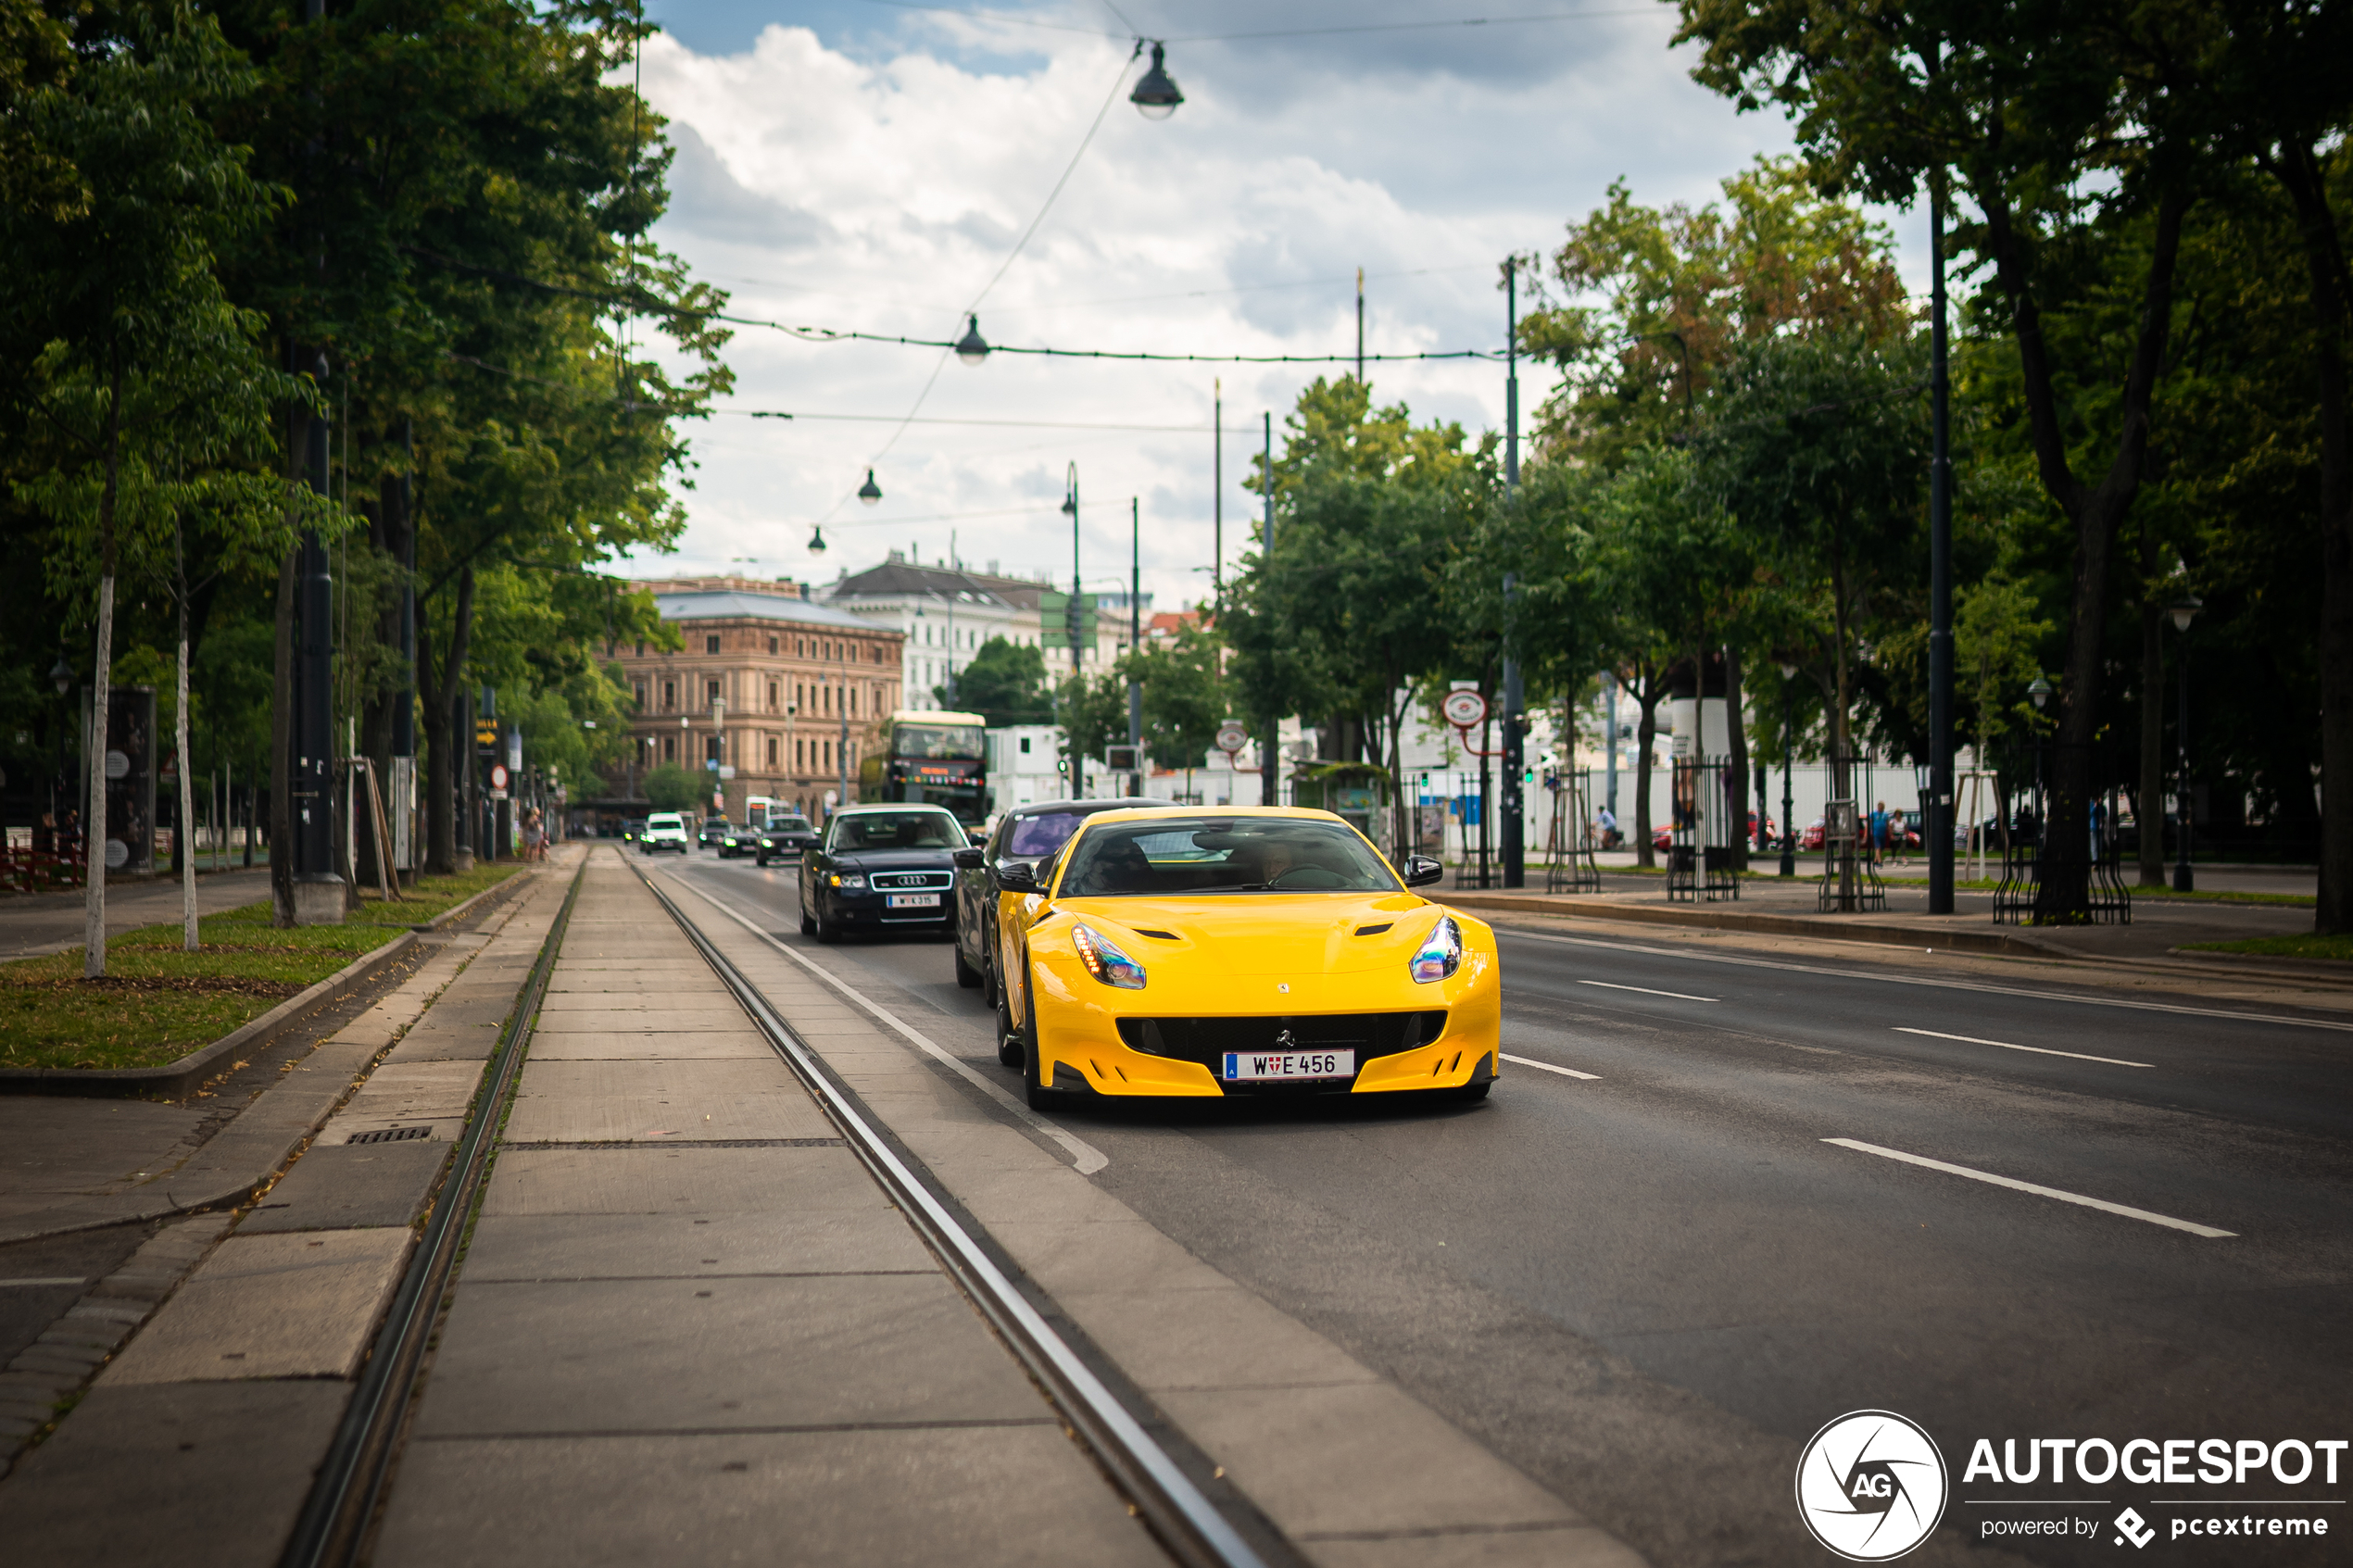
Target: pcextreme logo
(1872, 1485)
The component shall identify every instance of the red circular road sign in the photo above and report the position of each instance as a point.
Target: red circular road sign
(1463, 708)
(1232, 736)
(498, 775)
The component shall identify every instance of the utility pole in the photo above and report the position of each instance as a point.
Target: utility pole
(1218, 494)
(1135, 641)
(1267, 795)
(1359, 326)
(1938, 808)
(318, 891)
(1515, 846)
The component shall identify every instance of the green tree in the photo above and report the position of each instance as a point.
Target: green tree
(672, 788)
(1184, 695)
(1006, 683)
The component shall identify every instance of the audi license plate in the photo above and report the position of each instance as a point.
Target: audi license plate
(913, 901)
(1249, 1066)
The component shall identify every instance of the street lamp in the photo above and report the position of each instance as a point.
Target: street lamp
(870, 491)
(817, 540)
(61, 675)
(1789, 808)
(972, 349)
(2185, 610)
(1156, 96)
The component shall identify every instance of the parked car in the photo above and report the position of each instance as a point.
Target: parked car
(881, 867)
(664, 830)
(1029, 835)
(1815, 831)
(786, 835)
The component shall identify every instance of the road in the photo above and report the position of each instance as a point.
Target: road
(1646, 1284)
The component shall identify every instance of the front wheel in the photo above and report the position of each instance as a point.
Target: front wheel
(966, 976)
(761, 859)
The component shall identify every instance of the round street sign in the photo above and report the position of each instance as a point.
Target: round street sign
(1463, 708)
(498, 775)
(1232, 736)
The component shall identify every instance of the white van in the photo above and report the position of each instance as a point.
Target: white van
(664, 830)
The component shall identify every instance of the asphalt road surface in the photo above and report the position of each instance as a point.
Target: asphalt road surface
(1649, 1274)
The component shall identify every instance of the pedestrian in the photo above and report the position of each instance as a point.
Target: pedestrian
(1608, 819)
(1879, 829)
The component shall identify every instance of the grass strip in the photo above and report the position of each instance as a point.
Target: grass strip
(2306, 946)
(156, 1003)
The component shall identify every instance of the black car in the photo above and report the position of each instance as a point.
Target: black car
(714, 831)
(735, 840)
(1027, 834)
(881, 868)
(786, 835)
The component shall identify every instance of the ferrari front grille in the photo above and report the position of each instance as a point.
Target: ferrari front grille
(1206, 1040)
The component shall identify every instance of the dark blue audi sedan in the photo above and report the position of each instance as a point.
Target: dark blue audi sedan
(881, 868)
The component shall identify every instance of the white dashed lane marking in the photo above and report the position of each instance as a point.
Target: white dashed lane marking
(2016, 1185)
(1548, 1067)
(2038, 1050)
(1679, 996)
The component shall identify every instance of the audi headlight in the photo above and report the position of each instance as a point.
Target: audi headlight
(1104, 960)
(1440, 953)
(854, 882)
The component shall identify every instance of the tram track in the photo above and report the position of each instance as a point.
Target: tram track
(1192, 1527)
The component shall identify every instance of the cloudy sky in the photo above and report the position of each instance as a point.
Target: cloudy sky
(857, 164)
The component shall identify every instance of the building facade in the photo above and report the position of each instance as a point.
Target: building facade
(773, 694)
(944, 616)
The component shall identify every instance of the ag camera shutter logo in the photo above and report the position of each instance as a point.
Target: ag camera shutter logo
(1872, 1485)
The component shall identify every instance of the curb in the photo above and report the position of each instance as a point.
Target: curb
(175, 1078)
(2339, 969)
(1950, 939)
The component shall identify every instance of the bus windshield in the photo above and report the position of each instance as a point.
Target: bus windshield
(937, 743)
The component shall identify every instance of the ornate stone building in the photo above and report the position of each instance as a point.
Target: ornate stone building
(780, 693)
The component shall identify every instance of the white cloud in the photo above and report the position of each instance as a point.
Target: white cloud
(832, 178)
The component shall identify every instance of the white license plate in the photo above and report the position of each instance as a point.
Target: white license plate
(1251, 1066)
(911, 901)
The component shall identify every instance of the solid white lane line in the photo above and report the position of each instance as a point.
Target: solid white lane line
(1547, 1067)
(1679, 996)
(2038, 1050)
(1934, 982)
(59, 1279)
(2011, 1182)
(1085, 1157)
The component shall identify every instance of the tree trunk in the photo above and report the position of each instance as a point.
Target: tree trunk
(1646, 697)
(2299, 169)
(186, 855)
(2146, 810)
(280, 836)
(1736, 759)
(446, 745)
(2064, 888)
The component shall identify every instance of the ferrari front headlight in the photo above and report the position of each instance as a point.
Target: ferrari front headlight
(1104, 960)
(1440, 953)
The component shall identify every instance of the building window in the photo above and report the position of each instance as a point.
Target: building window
(828, 751)
(710, 691)
(773, 689)
(771, 754)
(669, 695)
(853, 709)
(1025, 745)
(641, 650)
(799, 755)
(640, 690)
(710, 748)
(772, 644)
(670, 748)
(710, 644)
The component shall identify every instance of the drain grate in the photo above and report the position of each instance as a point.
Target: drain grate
(390, 1134)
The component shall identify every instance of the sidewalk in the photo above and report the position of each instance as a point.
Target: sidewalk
(1787, 907)
(34, 923)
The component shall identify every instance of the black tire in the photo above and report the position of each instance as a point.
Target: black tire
(1036, 1093)
(826, 931)
(763, 860)
(966, 976)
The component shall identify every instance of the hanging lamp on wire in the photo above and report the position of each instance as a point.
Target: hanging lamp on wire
(817, 540)
(870, 491)
(972, 349)
(1156, 96)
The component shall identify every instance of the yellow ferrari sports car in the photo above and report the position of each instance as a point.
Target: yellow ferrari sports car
(1241, 951)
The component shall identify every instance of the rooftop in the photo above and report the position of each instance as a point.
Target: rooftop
(740, 605)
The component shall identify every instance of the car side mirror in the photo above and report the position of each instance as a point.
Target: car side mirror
(1018, 876)
(1421, 870)
(966, 859)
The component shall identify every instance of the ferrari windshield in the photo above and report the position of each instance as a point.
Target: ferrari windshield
(854, 831)
(1223, 855)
